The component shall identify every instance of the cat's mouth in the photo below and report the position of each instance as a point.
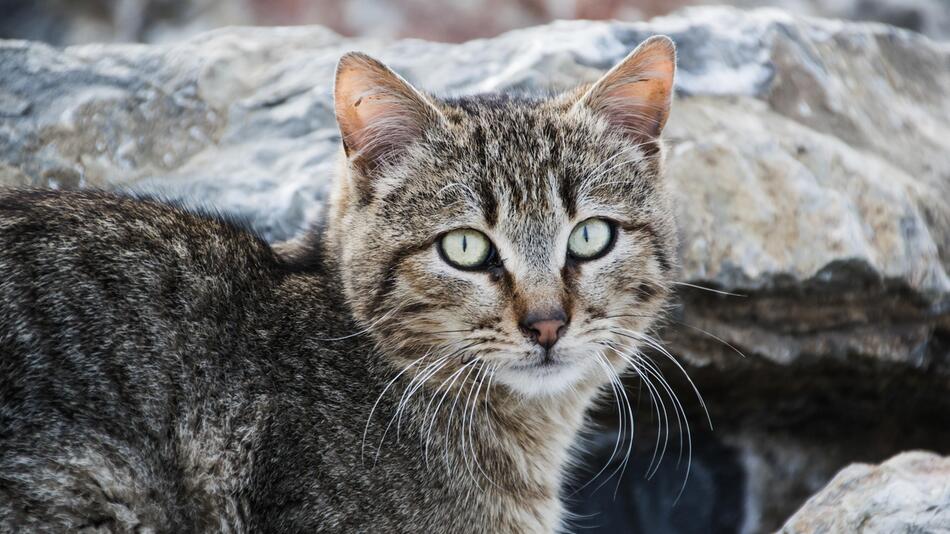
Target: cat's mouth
(543, 374)
(547, 363)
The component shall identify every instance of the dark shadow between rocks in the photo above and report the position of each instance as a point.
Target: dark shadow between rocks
(835, 371)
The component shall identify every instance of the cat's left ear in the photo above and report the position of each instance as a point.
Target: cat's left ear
(379, 113)
(635, 95)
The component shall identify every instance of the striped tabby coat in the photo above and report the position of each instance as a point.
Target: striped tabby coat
(420, 362)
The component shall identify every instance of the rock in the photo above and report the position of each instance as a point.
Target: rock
(904, 495)
(810, 159)
(930, 17)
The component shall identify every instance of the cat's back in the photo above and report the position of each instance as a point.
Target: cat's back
(118, 320)
(69, 253)
(109, 232)
(93, 273)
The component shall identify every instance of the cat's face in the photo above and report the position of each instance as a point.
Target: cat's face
(529, 237)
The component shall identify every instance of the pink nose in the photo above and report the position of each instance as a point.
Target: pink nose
(544, 331)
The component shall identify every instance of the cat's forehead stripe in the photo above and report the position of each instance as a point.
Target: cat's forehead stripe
(515, 157)
(516, 144)
(485, 189)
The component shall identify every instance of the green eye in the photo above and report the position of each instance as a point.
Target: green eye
(466, 249)
(590, 239)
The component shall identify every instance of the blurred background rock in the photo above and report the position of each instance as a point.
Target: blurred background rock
(66, 22)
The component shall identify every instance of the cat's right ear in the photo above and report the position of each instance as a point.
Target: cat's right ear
(379, 113)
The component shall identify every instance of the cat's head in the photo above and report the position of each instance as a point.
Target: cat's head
(529, 236)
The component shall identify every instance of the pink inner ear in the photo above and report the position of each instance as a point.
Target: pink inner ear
(377, 124)
(378, 112)
(635, 95)
(640, 108)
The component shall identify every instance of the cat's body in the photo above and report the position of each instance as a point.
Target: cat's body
(166, 371)
(201, 392)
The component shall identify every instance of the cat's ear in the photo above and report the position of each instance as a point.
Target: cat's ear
(379, 113)
(635, 95)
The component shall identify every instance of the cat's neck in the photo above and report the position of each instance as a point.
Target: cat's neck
(508, 451)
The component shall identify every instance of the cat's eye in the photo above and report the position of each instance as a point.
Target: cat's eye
(590, 239)
(466, 249)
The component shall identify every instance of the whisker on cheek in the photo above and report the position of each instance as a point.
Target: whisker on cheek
(437, 332)
(369, 418)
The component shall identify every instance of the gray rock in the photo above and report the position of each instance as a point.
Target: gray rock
(929, 17)
(905, 495)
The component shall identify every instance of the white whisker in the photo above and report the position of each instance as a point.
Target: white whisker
(363, 331)
(662, 350)
(711, 290)
(380, 397)
(428, 437)
(471, 424)
(470, 367)
(605, 366)
(398, 413)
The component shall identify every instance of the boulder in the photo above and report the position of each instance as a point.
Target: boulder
(810, 160)
(906, 494)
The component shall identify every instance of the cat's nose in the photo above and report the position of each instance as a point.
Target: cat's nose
(544, 329)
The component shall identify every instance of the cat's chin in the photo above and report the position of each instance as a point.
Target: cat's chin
(543, 379)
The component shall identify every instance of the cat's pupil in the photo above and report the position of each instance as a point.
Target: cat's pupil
(585, 234)
(464, 243)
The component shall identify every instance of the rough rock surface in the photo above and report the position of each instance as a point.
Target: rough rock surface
(907, 494)
(811, 160)
(929, 17)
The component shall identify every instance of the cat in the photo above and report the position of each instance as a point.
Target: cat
(421, 361)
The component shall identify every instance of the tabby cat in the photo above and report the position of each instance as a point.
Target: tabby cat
(420, 362)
